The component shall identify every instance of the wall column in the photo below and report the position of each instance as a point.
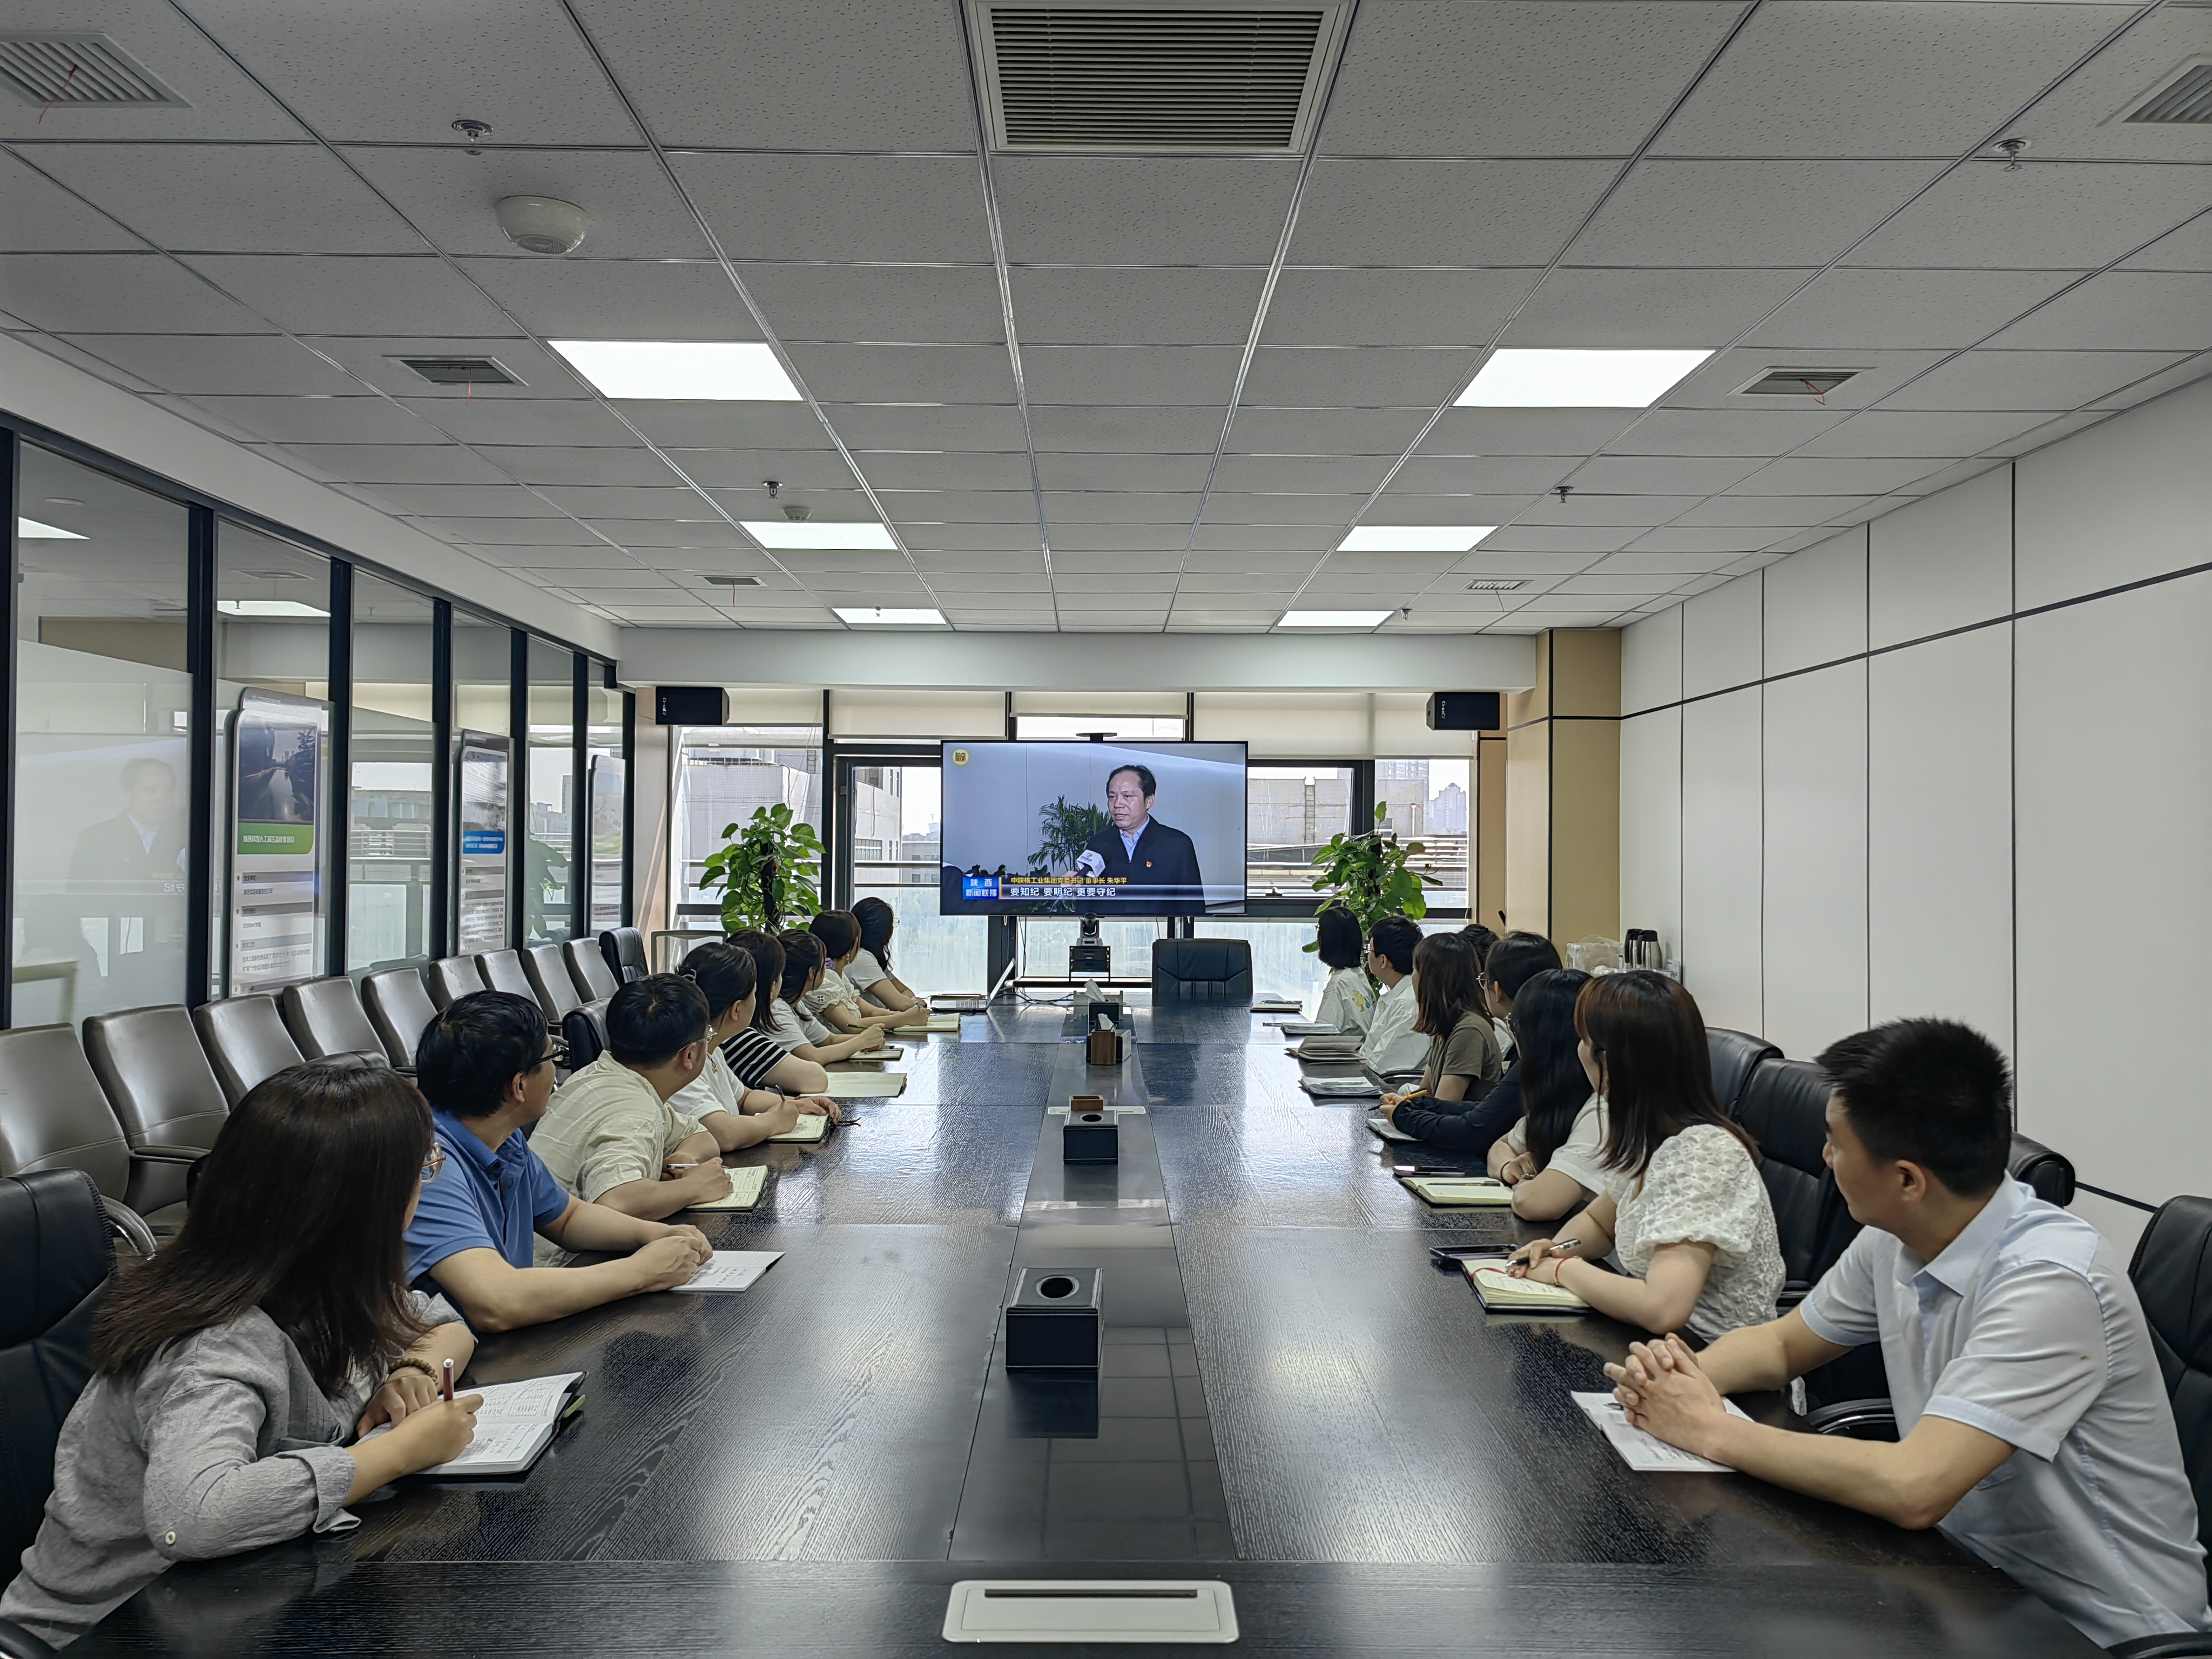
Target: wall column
(1563, 790)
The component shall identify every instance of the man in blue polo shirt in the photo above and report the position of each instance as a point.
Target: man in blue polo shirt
(2034, 1423)
(486, 1064)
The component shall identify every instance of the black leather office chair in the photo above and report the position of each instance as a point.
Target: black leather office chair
(157, 1079)
(503, 971)
(549, 982)
(1736, 1056)
(398, 1008)
(1201, 970)
(2173, 1275)
(53, 1232)
(246, 1041)
(324, 1016)
(622, 949)
(53, 1116)
(585, 1030)
(452, 978)
(594, 980)
(2050, 1175)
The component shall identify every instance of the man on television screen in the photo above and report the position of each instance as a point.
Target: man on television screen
(1142, 851)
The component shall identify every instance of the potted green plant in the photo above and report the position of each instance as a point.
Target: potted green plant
(767, 867)
(1368, 874)
(1067, 830)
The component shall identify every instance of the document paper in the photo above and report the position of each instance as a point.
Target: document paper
(1641, 1450)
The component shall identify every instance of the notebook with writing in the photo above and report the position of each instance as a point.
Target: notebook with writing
(745, 1191)
(730, 1270)
(1503, 1293)
(1457, 1192)
(936, 1023)
(515, 1423)
(812, 1127)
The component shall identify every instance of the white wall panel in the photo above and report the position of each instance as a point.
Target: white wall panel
(2131, 497)
(1721, 637)
(1943, 562)
(1651, 825)
(1720, 848)
(2114, 769)
(1816, 604)
(1815, 908)
(1940, 832)
(1651, 662)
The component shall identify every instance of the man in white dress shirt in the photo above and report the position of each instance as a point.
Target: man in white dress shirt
(1392, 1044)
(2035, 1429)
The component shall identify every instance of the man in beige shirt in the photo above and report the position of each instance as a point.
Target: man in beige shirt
(611, 1137)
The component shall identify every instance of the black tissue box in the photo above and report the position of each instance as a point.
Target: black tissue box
(1091, 1138)
(1052, 1323)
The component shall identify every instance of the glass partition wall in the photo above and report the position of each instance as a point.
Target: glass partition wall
(548, 830)
(393, 797)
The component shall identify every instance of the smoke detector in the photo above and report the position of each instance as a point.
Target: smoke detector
(798, 512)
(543, 224)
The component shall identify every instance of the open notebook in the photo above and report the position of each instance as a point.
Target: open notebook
(1339, 1088)
(1342, 1045)
(812, 1127)
(1459, 1191)
(1503, 1293)
(731, 1270)
(864, 1085)
(936, 1023)
(515, 1423)
(745, 1190)
(881, 1051)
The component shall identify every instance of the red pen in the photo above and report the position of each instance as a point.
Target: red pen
(448, 1382)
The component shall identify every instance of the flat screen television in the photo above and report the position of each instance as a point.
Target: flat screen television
(1093, 828)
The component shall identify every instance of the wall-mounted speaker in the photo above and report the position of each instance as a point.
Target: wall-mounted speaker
(690, 705)
(1463, 711)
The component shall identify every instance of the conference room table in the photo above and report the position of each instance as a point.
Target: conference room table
(1293, 1398)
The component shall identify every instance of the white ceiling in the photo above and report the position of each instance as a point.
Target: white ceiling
(1126, 391)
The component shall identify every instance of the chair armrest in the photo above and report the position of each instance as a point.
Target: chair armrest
(16, 1643)
(169, 1154)
(127, 1225)
(1794, 1290)
(2180, 1644)
(1856, 1419)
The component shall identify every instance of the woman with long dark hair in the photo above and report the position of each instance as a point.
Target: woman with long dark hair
(870, 971)
(1474, 1126)
(748, 1092)
(1347, 996)
(837, 1001)
(800, 968)
(231, 1371)
(1684, 1205)
(1464, 1063)
(1552, 1158)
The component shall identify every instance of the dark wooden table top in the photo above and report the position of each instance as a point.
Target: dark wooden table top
(1293, 1398)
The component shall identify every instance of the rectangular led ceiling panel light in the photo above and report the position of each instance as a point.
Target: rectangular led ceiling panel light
(874, 618)
(1333, 618)
(270, 608)
(706, 371)
(1414, 538)
(32, 531)
(803, 533)
(1578, 379)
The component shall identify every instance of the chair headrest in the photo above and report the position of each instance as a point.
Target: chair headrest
(2051, 1174)
(1736, 1055)
(2172, 1271)
(51, 1218)
(1203, 958)
(1785, 1107)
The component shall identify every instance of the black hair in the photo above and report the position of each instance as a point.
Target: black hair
(1646, 1031)
(1336, 930)
(474, 1047)
(767, 952)
(1930, 1092)
(803, 952)
(1395, 938)
(1482, 938)
(1145, 781)
(1444, 983)
(838, 932)
(875, 919)
(651, 1020)
(726, 974)
(300, 1211)
(1516, 956)
(1546, 1060)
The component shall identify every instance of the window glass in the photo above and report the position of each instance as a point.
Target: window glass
(1291, 813)
(1045, 940)
(604, 788)
(1427, 801)
(391, 806)
(549, 877)
(100, 746)
(897, 835)
(484, 783)
(723, 774)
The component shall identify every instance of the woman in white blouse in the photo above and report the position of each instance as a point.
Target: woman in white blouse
(1554, 1157)
(1683, 1204)
(1347, 997)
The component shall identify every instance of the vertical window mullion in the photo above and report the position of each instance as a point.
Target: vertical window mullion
(207, 856)
(338, 809)
(445, 807)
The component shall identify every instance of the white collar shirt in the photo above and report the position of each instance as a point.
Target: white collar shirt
(2025, 1327)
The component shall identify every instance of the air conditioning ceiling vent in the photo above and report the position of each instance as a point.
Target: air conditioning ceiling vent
(2184, 99)
(79, 71)
(1797, 382)
(460, 371)
(1494, 584)
(1140, 74)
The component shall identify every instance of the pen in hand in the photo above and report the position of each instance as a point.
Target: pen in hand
(446, 1382)
(1520, 1265)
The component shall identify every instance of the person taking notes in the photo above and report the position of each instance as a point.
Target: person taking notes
(1474, 1125)
(486, 1065)
(1464, 1062)
(2036, 1431)
(233, 1372)
(728, 1104)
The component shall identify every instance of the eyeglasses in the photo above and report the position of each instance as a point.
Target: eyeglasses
(434, 1163)
(556, 1053)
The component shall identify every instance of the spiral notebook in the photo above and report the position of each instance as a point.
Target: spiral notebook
(745, 1191)
(515, 1423)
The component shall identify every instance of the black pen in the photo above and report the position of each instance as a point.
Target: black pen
(1437, 1169)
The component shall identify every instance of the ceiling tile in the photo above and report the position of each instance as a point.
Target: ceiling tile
(1690, 552)
(38, 215)
(1990, 379)
(976, 426)
(222, 364)
(550, 464)
(514, 532)
(1514, 79)
(1739, 431)
(2076, 119)
(1717, 383)
(912, 209)
(68, 293)
(1324, 431)
(2037, 215)
(1906, 309)
(715, 425)
(1773, 214)
(1596, 510)
(1374, 377)
(1123, 562)
(1519, 545)
(906, 374)
(1090, 375)
(1223, 507)
(1796, 475)
(1486, 432)
(2121, 310)
(1740, 511)
(377, 360)
(1391, 307)
(355, 294)
(1172, 473)
(1265, 538)
(1859, 77)
(1648, 309)
(427, 463)
(1383, 212)
(220, 102)
(1086, 209)
(504, 501)
(616, 299)
(1398, 505)
(1134, 307)
(911, 305)
(949, 471)
(451, 196)
(1115, 506)
(1336, 473)
(1876, 432)
(521, 420)
(1130, 430)
(364, 419)
(2189, 248)
(1015, 506)
(728, 471)
(668, 501)
(967, 540)
(1665, 475)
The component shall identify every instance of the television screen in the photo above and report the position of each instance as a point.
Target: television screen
(1105, 829)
